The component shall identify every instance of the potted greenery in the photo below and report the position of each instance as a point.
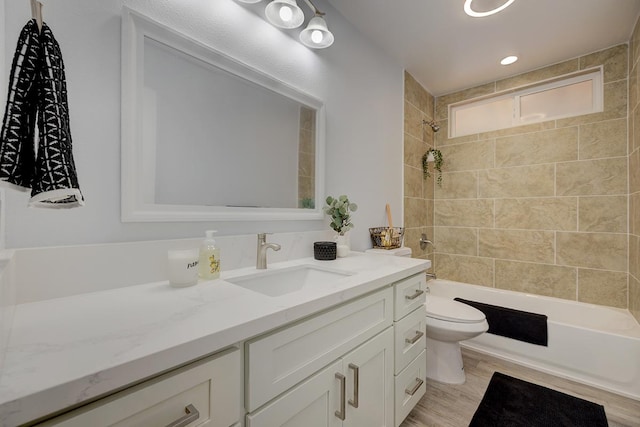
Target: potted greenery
(434, 156)
(340, 211)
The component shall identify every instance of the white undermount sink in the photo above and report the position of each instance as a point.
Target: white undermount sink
(275, 283)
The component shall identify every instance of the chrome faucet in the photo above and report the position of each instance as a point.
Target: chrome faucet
(261, 259)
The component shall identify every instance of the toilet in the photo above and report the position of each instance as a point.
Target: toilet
(448, 323)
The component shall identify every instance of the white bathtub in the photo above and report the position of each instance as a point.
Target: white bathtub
(591, 344)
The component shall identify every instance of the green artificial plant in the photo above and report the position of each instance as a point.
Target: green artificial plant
(340, 210)
(437, 164)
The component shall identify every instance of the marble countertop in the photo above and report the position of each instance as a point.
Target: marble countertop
(69, 350)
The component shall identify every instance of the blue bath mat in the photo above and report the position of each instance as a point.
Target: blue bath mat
(511, 402)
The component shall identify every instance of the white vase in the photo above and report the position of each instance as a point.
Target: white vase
(343, 247)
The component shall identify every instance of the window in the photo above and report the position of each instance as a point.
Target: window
(566, 96)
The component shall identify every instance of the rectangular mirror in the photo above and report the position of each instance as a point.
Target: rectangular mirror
(205, 137)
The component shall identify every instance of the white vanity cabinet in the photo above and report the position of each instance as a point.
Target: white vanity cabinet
(204, 393)
(410, 344)
(335, 369)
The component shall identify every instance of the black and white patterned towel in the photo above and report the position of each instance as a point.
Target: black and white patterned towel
(17, 153)
(38, 98)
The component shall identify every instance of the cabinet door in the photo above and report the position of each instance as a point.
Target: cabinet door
(211, 389)
(369, 372)
(313, 403)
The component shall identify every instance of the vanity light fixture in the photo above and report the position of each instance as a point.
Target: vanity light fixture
(287, 14)
(509, 60)
(469, 11)
(284, 14)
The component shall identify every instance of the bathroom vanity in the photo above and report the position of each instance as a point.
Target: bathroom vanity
(349, 351)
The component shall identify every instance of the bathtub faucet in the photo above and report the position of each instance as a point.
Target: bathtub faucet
(430, 276)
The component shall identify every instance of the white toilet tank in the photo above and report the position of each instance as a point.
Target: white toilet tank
(403, 251)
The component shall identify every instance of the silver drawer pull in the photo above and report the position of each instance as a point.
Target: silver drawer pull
(415, 338)
(343, 391)
(356, 384)
(415, 295)
(415, 388)
(191, 414)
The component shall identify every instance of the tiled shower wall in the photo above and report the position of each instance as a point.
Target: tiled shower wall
(418, 193)
(541, 208)
(634, 173)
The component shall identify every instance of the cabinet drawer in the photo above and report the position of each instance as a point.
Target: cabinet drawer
(409, 295)
(212, 386)
(409, 338)
(282, 359)
(410, 386)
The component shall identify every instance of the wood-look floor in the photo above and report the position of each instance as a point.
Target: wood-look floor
(447, 405)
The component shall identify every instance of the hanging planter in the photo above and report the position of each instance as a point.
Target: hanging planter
(432, 156)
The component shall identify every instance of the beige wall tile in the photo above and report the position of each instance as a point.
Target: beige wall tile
(634, 256)
(615, 106)
(534, 246)
(306, 164)
(635, 42)
(539, 279)
(535, 127)
(442, 102)
(456, 240)
(603, 139)
(634, 298)
(631, 133)
(633, 88)
(463, 213)
(614, 60)
(458, 185)
(412, 121)
(538, 75)
(592, 250)
(634, 130)
(429, 204)
(412, 182)
(415, 94)
(634, 172)
(465, 269)
(412, 240)
(415, 212)
(442, 137)
(538, 213)
(634, 213)
(557, 145)
(603, 213)
(413, 150)
(592, 177)
(307, 119)
(307, 142)
(470, 156)
(602, 287)
(428, 186)
(525, 181)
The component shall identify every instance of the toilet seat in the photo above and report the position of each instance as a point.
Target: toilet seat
(452, 311)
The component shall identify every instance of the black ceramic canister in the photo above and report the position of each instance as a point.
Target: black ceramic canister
(324, 251)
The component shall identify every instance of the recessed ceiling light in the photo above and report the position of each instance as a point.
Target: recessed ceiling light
(469, 11)
(509, 60)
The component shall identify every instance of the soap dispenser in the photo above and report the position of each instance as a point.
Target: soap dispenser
(209, 262)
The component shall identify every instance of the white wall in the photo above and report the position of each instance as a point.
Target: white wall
(362, 89)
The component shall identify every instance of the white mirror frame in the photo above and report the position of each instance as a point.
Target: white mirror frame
(135, 27)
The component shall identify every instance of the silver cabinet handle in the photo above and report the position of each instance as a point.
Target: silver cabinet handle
(191, 414)
(413, 340)
(343, 391)
(415, 295)
(415, 388)
(356, 384)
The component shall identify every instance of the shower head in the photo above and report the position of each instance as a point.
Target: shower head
(431, 123)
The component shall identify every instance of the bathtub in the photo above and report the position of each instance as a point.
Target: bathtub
(590, 344)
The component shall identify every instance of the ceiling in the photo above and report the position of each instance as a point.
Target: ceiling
(446, 50)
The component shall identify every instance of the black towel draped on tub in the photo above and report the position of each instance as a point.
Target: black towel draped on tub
(511, 323)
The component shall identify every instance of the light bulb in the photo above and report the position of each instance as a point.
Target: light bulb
(317, 36)
(286, 13)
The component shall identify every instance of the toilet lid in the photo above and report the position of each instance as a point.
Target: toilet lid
(452, 311)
